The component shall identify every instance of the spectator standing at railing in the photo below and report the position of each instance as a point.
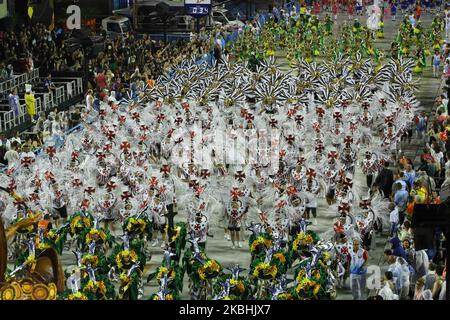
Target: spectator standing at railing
(30, 102)
(51, 88)
(10, 70)
(29, 63)
(13, 100)
(3, 72)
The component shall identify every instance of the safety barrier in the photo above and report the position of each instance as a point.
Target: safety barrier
(59, 94)
(73, 86)
(8, 120)
(18, 81)
(65, 90)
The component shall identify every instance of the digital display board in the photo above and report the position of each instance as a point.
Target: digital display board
(197, 7)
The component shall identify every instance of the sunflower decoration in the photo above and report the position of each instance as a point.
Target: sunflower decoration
(231, 288)
(190, 260)
(307, 289)
(79, 222)
(260, 244)
(162, 296)
(209, 270)
(95, 235)
(310, 287)
(285, 296)
(199, 267)
(280, 257)
(166, 297)
(56, 240)
(53, 236)
(238, 287)
(138, 227)
(326, 257)
(178, 239)
(164, 271)
(93, 285)
(98, 236)
(41, 243)
(303, 240)
(170, 280)
(90, 260)
(281, 260)
(95, 290)
(135, 225)
(264, 271)
(173, 275)
(77, 296)
(27, 227)
(125, 258)
(129, 284)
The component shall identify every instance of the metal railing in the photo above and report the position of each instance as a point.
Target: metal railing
(18, 81)
(73, 86)
(8, 120)
(44, 102)
(60, 93)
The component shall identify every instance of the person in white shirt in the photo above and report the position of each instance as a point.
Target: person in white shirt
(387, 291)
(393, 219)
(12, 156)
(446, 68)
(89, 101)
(437, 154)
